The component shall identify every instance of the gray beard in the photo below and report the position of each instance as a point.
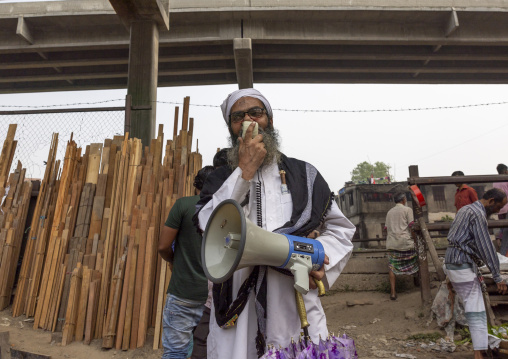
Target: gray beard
(271, 140)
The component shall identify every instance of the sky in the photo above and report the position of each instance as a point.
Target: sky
(439, 141)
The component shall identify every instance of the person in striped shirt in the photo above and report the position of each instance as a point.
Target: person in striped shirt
(469, 247)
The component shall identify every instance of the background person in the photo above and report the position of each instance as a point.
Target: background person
(188, 288)
(402, 255)
(203, 328)
(469, 247)
(464, 195)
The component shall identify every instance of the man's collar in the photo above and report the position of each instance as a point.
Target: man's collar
(480, 204)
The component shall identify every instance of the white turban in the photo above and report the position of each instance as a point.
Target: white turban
(238, 94)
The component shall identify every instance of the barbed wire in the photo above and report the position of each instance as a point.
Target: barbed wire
(408, 109)
(451, 107)
(62, 105)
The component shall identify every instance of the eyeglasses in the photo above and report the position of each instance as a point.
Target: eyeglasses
(254, 112)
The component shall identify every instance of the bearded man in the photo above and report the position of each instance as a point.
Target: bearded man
(256, 307)
(469, 247)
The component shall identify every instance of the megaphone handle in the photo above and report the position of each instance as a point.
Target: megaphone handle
(320, 286)
(300, 307)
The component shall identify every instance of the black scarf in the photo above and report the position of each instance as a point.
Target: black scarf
(312, 199)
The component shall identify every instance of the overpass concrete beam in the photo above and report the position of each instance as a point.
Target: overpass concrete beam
(23, 31)
(472, 31)
(243, 62)
(452, 24)
(285, 4)
(85, 45)
(135, 10)
(142, 78)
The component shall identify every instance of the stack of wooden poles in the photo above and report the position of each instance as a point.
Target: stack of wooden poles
(90, 268)
(15, 196)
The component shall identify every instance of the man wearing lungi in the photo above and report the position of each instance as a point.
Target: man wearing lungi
(469, 247)
(402, 255)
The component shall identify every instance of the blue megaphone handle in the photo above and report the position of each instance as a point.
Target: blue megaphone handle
(305, 246)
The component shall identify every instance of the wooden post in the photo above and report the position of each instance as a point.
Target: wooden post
(417, 210)
(185, 114)
(422, 251)
(423, 228)
(175, 123)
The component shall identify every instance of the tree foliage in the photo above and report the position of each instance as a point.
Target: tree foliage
(363, 171)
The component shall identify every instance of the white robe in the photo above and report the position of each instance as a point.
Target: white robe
(282, 322)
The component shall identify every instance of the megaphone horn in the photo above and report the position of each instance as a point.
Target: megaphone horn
(231, 242)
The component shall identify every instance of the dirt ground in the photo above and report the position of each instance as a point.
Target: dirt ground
(379, 326)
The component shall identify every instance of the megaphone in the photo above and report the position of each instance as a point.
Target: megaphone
(231, 242)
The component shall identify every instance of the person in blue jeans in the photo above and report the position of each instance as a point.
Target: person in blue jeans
(188, 288)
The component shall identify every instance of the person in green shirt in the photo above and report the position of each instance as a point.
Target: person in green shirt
(188, 288)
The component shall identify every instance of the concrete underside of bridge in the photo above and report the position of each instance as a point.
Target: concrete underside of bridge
(79, 45)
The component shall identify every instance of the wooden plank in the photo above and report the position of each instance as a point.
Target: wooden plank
(94, 161)
(60, 289)
(175, 123)
(125, 286)
(22, 292)
(55, 241)
(191, 133)
(160, 306)
(185, 114)
(106, 150)
(93, 301)
(109, 244)
(6, 157)
(71, 265)
(139, 281)
(83, 301)
(130, 295)
(112, 168)
(40, 256)
(148, 279)
(98, 206)
(14, 238)
(72, 308)
(43, 236)
(109, 335)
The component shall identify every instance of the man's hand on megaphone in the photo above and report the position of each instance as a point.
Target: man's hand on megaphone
(318, 274)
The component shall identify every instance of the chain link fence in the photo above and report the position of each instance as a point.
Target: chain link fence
(36, 127)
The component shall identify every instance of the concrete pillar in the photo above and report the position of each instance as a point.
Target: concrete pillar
(243, 62)
(142, 84)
